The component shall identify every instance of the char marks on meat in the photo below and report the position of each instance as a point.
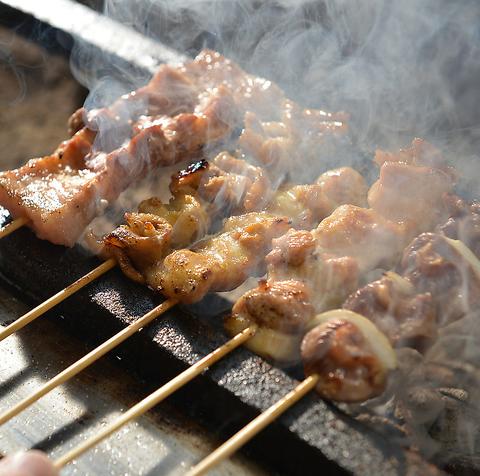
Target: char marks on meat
(180, 111)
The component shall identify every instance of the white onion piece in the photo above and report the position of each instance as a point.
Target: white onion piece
(376, 339)
(466, 253)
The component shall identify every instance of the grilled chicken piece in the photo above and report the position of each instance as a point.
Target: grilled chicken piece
(296, 135)
(227, 184)
(281, 311)
(221, 262)
(62, 193)
(351, 357)
(363, 234)
(297, 256)
(448, 270)
(344, 186)
(154, 231)
(308, 204)
(407, 317)
(406, 192)
(188, 217)
(143, 241)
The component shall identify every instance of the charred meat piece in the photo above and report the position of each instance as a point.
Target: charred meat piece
(350, 356)
(281, 311)
(392, 303)
(221, 262)
(144, 240)
(61, 194)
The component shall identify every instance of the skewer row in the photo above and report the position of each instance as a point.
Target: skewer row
(159, 395)
(225, 450)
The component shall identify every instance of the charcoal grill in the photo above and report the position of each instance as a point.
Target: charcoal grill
(312, 437)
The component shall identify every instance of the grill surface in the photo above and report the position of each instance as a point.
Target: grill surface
(312, 437)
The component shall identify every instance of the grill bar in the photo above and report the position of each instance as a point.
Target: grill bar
(58, 23)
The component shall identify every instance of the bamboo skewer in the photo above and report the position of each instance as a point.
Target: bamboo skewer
(254, 427)
(57, 298)
(159, 395)
(12, 226)
(87, 360)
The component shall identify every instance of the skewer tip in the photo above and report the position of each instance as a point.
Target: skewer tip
(12, 226)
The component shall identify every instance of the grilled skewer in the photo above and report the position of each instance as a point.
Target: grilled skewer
(326, 367)
(243, 244)
(364, 334)
(316, 270)
(150, 234)
(182, 110)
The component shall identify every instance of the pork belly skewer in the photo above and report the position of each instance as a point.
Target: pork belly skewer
(62, 193)
(181, 110)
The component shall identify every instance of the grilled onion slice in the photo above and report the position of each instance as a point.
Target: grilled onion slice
(349, 354)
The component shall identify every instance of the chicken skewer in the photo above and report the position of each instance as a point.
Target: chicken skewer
(220, 262)
(370, 347)
(159, 227)
(340, 377)
(315, 271)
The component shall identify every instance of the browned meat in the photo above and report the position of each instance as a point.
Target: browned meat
(58, 193)
(350, 356)
(363, 234)
(182, 109)
(221, 262)
(149, 235)
(411, 193)
(446, 269)
(330, 278)
(144, 240)
(233, 185)
(308, 204)
(406, 317)
(281, 311)
(62, 193)
(297, 135)
(344, 186)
